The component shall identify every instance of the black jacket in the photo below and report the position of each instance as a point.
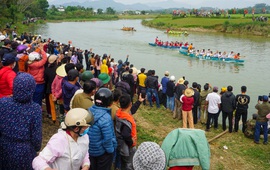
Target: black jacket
(151, 82)
(228, 102)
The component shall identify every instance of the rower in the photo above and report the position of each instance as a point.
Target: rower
(231, 55)
(237, 56)
(202, 53)
(156, 40)
(219, 54)
(224, 55)
(190, 47)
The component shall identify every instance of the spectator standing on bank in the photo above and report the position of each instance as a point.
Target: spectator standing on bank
(164, 82)
(242, 100)
(178, 91)
(261, 121)
(213, 102)
(170, 94)
(228, 107)
(103, 141)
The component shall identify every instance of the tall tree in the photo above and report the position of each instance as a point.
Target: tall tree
(110, 11)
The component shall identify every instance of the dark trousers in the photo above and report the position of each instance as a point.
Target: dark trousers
(126, 161)
(103, 162)
(214, 117)
(195, 114)
(163, 100)
(238, 115)
(38, 94)
(224, 117)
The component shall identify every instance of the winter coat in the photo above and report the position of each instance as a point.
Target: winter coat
(60, 149)
(186, 147)
(124, 87)
(56, 87)
(170, 89)
(7, 76)
(101, 133)
(68, 90)
(151, 82)
(164, 82)
(228, 102)
(49, 75)
(104, 67)
(20, 125)
(37, 68)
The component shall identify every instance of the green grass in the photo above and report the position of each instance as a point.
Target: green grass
(236, 24)
(154, 124)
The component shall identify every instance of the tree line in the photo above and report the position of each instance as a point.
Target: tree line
(12, 11)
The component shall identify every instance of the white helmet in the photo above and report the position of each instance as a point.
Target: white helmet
(34, 56)
(172, 78)
(77, 117)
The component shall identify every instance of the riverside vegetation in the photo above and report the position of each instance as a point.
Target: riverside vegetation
(154, 124)
(235, 24)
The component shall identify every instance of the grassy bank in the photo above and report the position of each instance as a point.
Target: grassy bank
(236, 24)
(154, 124)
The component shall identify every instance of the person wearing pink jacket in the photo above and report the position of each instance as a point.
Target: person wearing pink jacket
(36, 68)
(68, 148)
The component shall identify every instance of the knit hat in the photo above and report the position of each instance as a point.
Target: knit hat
(149, 156)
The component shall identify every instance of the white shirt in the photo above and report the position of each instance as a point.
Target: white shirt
(213, 101)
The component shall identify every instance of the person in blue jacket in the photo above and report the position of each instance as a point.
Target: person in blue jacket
(101, 134)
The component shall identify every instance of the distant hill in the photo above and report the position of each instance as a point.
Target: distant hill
(103, 4)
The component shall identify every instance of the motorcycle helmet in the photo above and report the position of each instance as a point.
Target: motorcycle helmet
(103, 97)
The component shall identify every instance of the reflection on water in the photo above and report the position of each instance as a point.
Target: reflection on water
(231, 67)
(106, 37)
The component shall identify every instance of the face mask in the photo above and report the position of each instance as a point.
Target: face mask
(84, 132)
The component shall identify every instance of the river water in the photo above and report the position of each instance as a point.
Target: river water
(106, 37)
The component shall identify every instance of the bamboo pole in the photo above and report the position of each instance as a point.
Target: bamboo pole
(219, 135)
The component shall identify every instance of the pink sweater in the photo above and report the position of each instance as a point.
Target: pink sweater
(36, 69)
(57, 87)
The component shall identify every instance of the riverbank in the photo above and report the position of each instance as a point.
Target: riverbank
(154, 124)
(232, 25)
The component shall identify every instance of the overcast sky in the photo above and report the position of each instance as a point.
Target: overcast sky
(199, 3)
(192, 3)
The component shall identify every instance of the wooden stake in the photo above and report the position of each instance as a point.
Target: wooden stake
(219, 135)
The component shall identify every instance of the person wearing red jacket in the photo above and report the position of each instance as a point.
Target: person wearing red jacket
(36, 68)
(187, 104)
(7, 75)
